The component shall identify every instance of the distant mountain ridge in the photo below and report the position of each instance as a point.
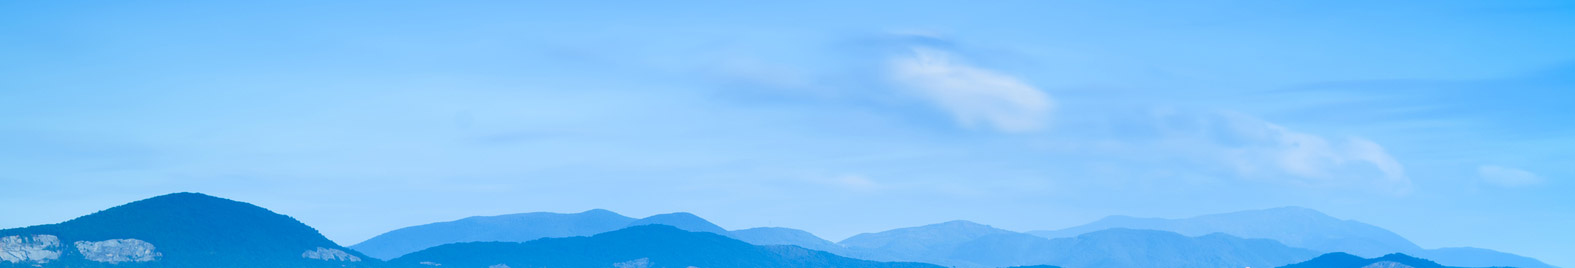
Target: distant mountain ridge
(1345, 260)
(645, 246)
(933, 243)
(1478, 257)
(196, 230)
(512, 227)
(178, 230)
(968, 244)
(1113, 248)
(682, 220)
(1305, 228)
(1294, 226)
(786, 236)
(524, 227)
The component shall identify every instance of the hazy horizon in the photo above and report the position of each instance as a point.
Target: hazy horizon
(1445, 122)
(638, 216)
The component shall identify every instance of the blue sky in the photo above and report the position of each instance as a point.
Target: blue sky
(1447, 122)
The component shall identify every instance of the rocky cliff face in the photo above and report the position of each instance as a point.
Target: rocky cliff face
(329, 254)
(118, 250)
(43, 248)
(29, 249)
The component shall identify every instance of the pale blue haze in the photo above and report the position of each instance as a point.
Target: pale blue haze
(1447, 122)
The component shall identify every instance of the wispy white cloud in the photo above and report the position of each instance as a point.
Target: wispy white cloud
(1258, 149)
(974, 96)
(1322, 159)
(1507, 177)
(855, 182)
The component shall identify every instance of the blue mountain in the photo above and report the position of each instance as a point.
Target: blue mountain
(786, 236)
(1345, 260)
(682, 220)
(513, 227)
(1303, 228)
(1476, 257)
(645, 246)
(1294, 226)
(932, 243)
(1116, 248)
(178, 230)
(968, 244)
(531, 226)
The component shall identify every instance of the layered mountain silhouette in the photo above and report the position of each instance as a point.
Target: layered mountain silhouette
(1477, 257)
(1304, 228)
(511, 228)
(179, 230)
(786, 236)
(1205, 241)
(1294, 226)
(1345, 260)
(924, 240)
(1148, 248)
(525, 227)
(639, 246)
(933, 243)
(196, 230)
(682, 220)
(968, 244)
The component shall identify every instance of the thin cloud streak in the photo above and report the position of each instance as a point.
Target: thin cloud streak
(975, 97)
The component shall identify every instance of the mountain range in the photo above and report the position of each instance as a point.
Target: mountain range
(1305, 228)
(1345, 260)
(968, 244)
(786, 236)
(514, 227)
(520, 228)
(177, 230)
(955, 243)
(639, 246)
(1263, 238)
(196, 230)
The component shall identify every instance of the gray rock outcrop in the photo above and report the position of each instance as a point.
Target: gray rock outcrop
(118, 250)
(1387, 264)
(329, 254)
(34, 249)
(636, 263)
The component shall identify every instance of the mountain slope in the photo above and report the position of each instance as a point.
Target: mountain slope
(967, 244)
(638, 246)
(1147, 248)
(531, 226)
(511, 228)
(1294, 226)
(682, 220)
(520, 228)
(1476, 257)
(1305, 228)
(785, 236)
(929, 243)
(1128, 248)
(182, 230)
(1344, 260)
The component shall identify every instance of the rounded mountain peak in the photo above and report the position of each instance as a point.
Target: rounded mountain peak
(597, 211)
(682, 220)
(199, 230)
(963, 223)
